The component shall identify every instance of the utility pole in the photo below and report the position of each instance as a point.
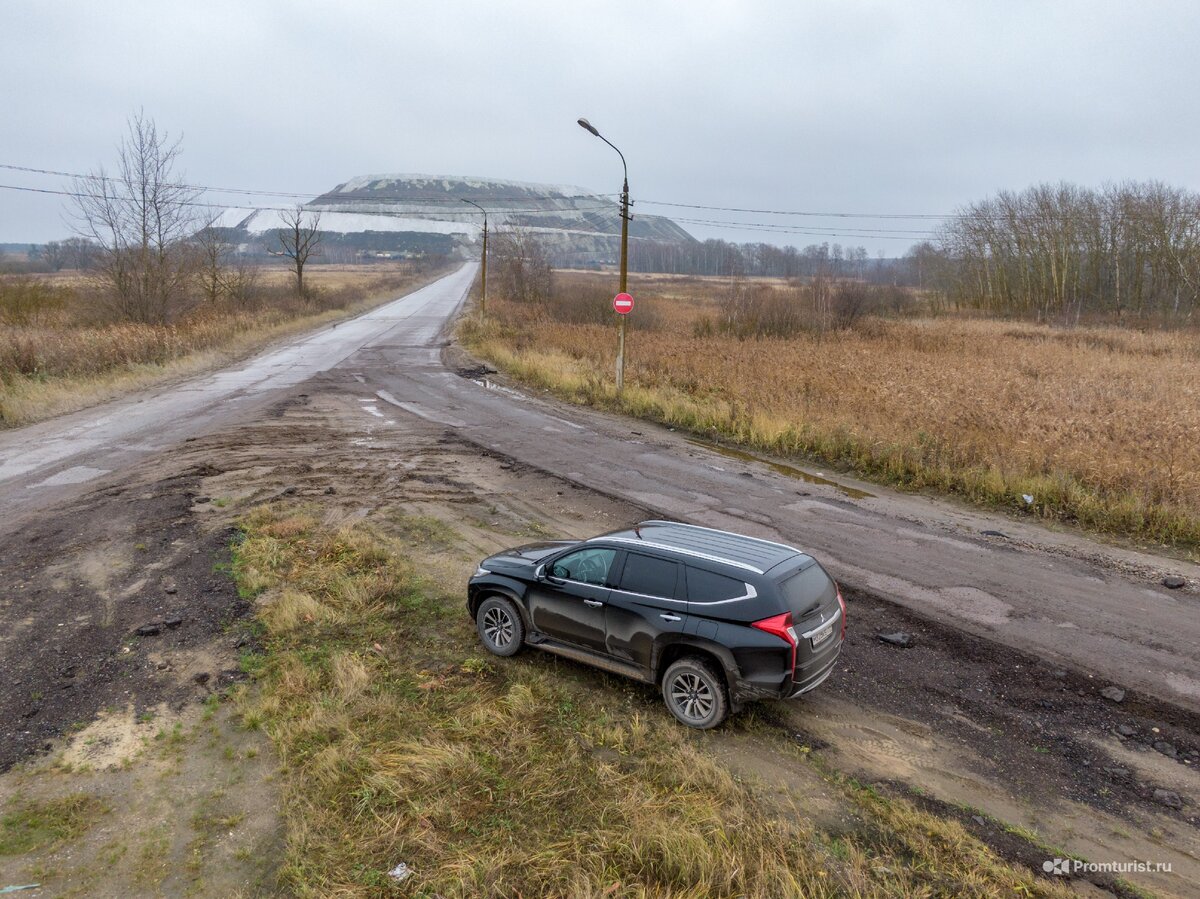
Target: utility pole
(625, 217)
(483, 269)
(624, 277)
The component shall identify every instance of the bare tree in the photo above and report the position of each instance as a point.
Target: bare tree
(141, 220)
(299, 238)
(54, 256)
(523, 270)
(242, 280)
(79, 253)
(212, 257)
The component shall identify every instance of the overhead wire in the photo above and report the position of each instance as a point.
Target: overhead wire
(332, 201)
(258, 208)
(807, 213)
(742, 226)
(803, 229)
(426, 198)
(303, 195)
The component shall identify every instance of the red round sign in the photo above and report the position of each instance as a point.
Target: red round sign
(623, 303)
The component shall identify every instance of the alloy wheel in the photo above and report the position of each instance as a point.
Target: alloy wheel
(498, 627)
(692, 696)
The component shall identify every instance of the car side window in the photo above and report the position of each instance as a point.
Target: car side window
(707, 586)
(590, 566)
(649, 576)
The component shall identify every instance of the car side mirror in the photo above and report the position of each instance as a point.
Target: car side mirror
(539, 573)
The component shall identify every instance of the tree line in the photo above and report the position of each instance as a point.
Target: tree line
(727, 259)
(1063, 252)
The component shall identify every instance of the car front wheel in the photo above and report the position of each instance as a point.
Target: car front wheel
(500, 626)
(695, 693)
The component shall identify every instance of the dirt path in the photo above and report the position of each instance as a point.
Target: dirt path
(1010, 741)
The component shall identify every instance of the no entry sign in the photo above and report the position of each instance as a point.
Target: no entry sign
(623, 303)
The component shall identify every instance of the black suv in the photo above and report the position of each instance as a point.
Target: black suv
(714, 618)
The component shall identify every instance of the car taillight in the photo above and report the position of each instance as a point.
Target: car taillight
(781, 627)
(842, 603)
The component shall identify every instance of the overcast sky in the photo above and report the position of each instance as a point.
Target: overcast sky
(867, 107)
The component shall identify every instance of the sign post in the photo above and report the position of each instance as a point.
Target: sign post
(625, 217)
(622, 305)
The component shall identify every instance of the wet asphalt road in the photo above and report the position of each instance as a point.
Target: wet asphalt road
(50, 461)
(1093, 608)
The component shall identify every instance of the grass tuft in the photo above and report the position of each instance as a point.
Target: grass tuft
(32, 825)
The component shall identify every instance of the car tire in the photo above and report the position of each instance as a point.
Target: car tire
(695, 693)
(500, 626)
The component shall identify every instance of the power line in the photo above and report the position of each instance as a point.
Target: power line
(802, 229)
(73, 193)
(348, 204)
(294, 195)
(737, 226)
(847, 233)
(591, 196)
(862, 215)
(443, 198)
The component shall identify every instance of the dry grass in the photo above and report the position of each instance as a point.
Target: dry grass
(515, 778)
(58, 354)
(1100, 425)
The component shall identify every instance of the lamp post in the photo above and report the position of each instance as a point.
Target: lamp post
(625, 217)
(483, 272)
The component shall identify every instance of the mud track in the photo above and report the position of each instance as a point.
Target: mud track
(82, 580)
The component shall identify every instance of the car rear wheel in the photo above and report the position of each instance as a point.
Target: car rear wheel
(500, 626)
(695, 693)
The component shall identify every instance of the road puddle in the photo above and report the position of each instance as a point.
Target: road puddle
(780, 468)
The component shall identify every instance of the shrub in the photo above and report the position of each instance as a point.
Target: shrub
(25, 300)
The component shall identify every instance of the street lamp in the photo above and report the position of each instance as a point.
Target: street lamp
(625, 217)
(483, 274)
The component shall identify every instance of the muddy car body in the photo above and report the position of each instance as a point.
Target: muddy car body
(714, 618)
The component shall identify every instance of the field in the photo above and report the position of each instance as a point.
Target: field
(60, 350)
(1098, 426)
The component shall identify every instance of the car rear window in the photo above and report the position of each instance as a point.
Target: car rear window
(707, 586)
(807, 590)
(649, 576)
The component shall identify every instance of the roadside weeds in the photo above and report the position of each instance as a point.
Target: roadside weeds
(850, 403)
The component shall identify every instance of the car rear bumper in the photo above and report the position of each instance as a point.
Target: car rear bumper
(812, 677)
(786, 684)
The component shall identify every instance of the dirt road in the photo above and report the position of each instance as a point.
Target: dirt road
(996, 706)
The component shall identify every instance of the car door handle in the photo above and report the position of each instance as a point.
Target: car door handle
(594, 603)
(670, 617)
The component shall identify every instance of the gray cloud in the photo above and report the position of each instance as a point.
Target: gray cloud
(836, 106)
